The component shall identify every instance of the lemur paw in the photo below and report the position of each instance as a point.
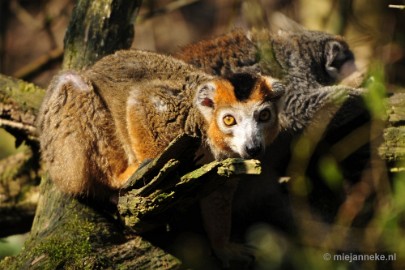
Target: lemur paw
(234, 252)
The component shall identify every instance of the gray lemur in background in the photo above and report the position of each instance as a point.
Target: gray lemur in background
(309, 64)
(306, 61)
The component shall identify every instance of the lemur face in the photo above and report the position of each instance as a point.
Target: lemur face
(241, 114)
(245, 128)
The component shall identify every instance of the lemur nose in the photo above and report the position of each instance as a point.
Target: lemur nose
(253, 151)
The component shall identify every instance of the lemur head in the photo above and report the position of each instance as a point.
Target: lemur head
(325, 56)
(241, 114)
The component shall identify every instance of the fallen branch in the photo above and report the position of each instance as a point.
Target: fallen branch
(148, 207)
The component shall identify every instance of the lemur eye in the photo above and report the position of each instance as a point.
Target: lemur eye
(264, 115)
(229, 120)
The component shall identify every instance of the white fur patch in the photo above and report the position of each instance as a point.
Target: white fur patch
(159, 104)
(71, 77)
(133, 98)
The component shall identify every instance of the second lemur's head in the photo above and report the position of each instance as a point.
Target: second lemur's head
(325, 57)
(241, 114)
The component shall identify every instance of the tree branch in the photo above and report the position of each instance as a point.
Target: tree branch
(19, 105)
(147, 207)
(98, 28)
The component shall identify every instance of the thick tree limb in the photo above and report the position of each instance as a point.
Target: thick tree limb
(19, 104)
(393, 146)
(98, 28)
(148, 207)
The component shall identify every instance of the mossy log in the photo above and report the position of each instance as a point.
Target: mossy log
(393, 147)
(19, 104)
(149, 206)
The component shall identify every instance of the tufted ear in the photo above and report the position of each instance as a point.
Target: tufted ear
(72, 78)
(275, 86)
(205, 99)
(69, 80)
(339, 60)
(278, 89)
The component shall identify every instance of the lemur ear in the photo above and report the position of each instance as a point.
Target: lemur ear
(276, 87)
(339, 60)
(71, 78)
(205, 99)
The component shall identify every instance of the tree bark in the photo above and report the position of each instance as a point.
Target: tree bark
(98, 28)
(19, 104)
(149, 206)
(393, 147)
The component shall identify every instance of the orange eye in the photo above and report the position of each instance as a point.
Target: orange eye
(264, 116)
(229, 120)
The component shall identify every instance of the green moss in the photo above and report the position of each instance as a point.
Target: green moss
(393, 148)
(164, 197)
(26, 95)
(70, 248)
(30, 94)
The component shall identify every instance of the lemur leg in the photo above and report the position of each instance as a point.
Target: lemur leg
(82, 153)
(216, 211)
(123, 177)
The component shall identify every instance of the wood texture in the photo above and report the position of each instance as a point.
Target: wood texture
(19, 104)
(98, 28)
(149, 206)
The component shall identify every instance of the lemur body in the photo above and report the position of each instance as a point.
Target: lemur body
(97, 126)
